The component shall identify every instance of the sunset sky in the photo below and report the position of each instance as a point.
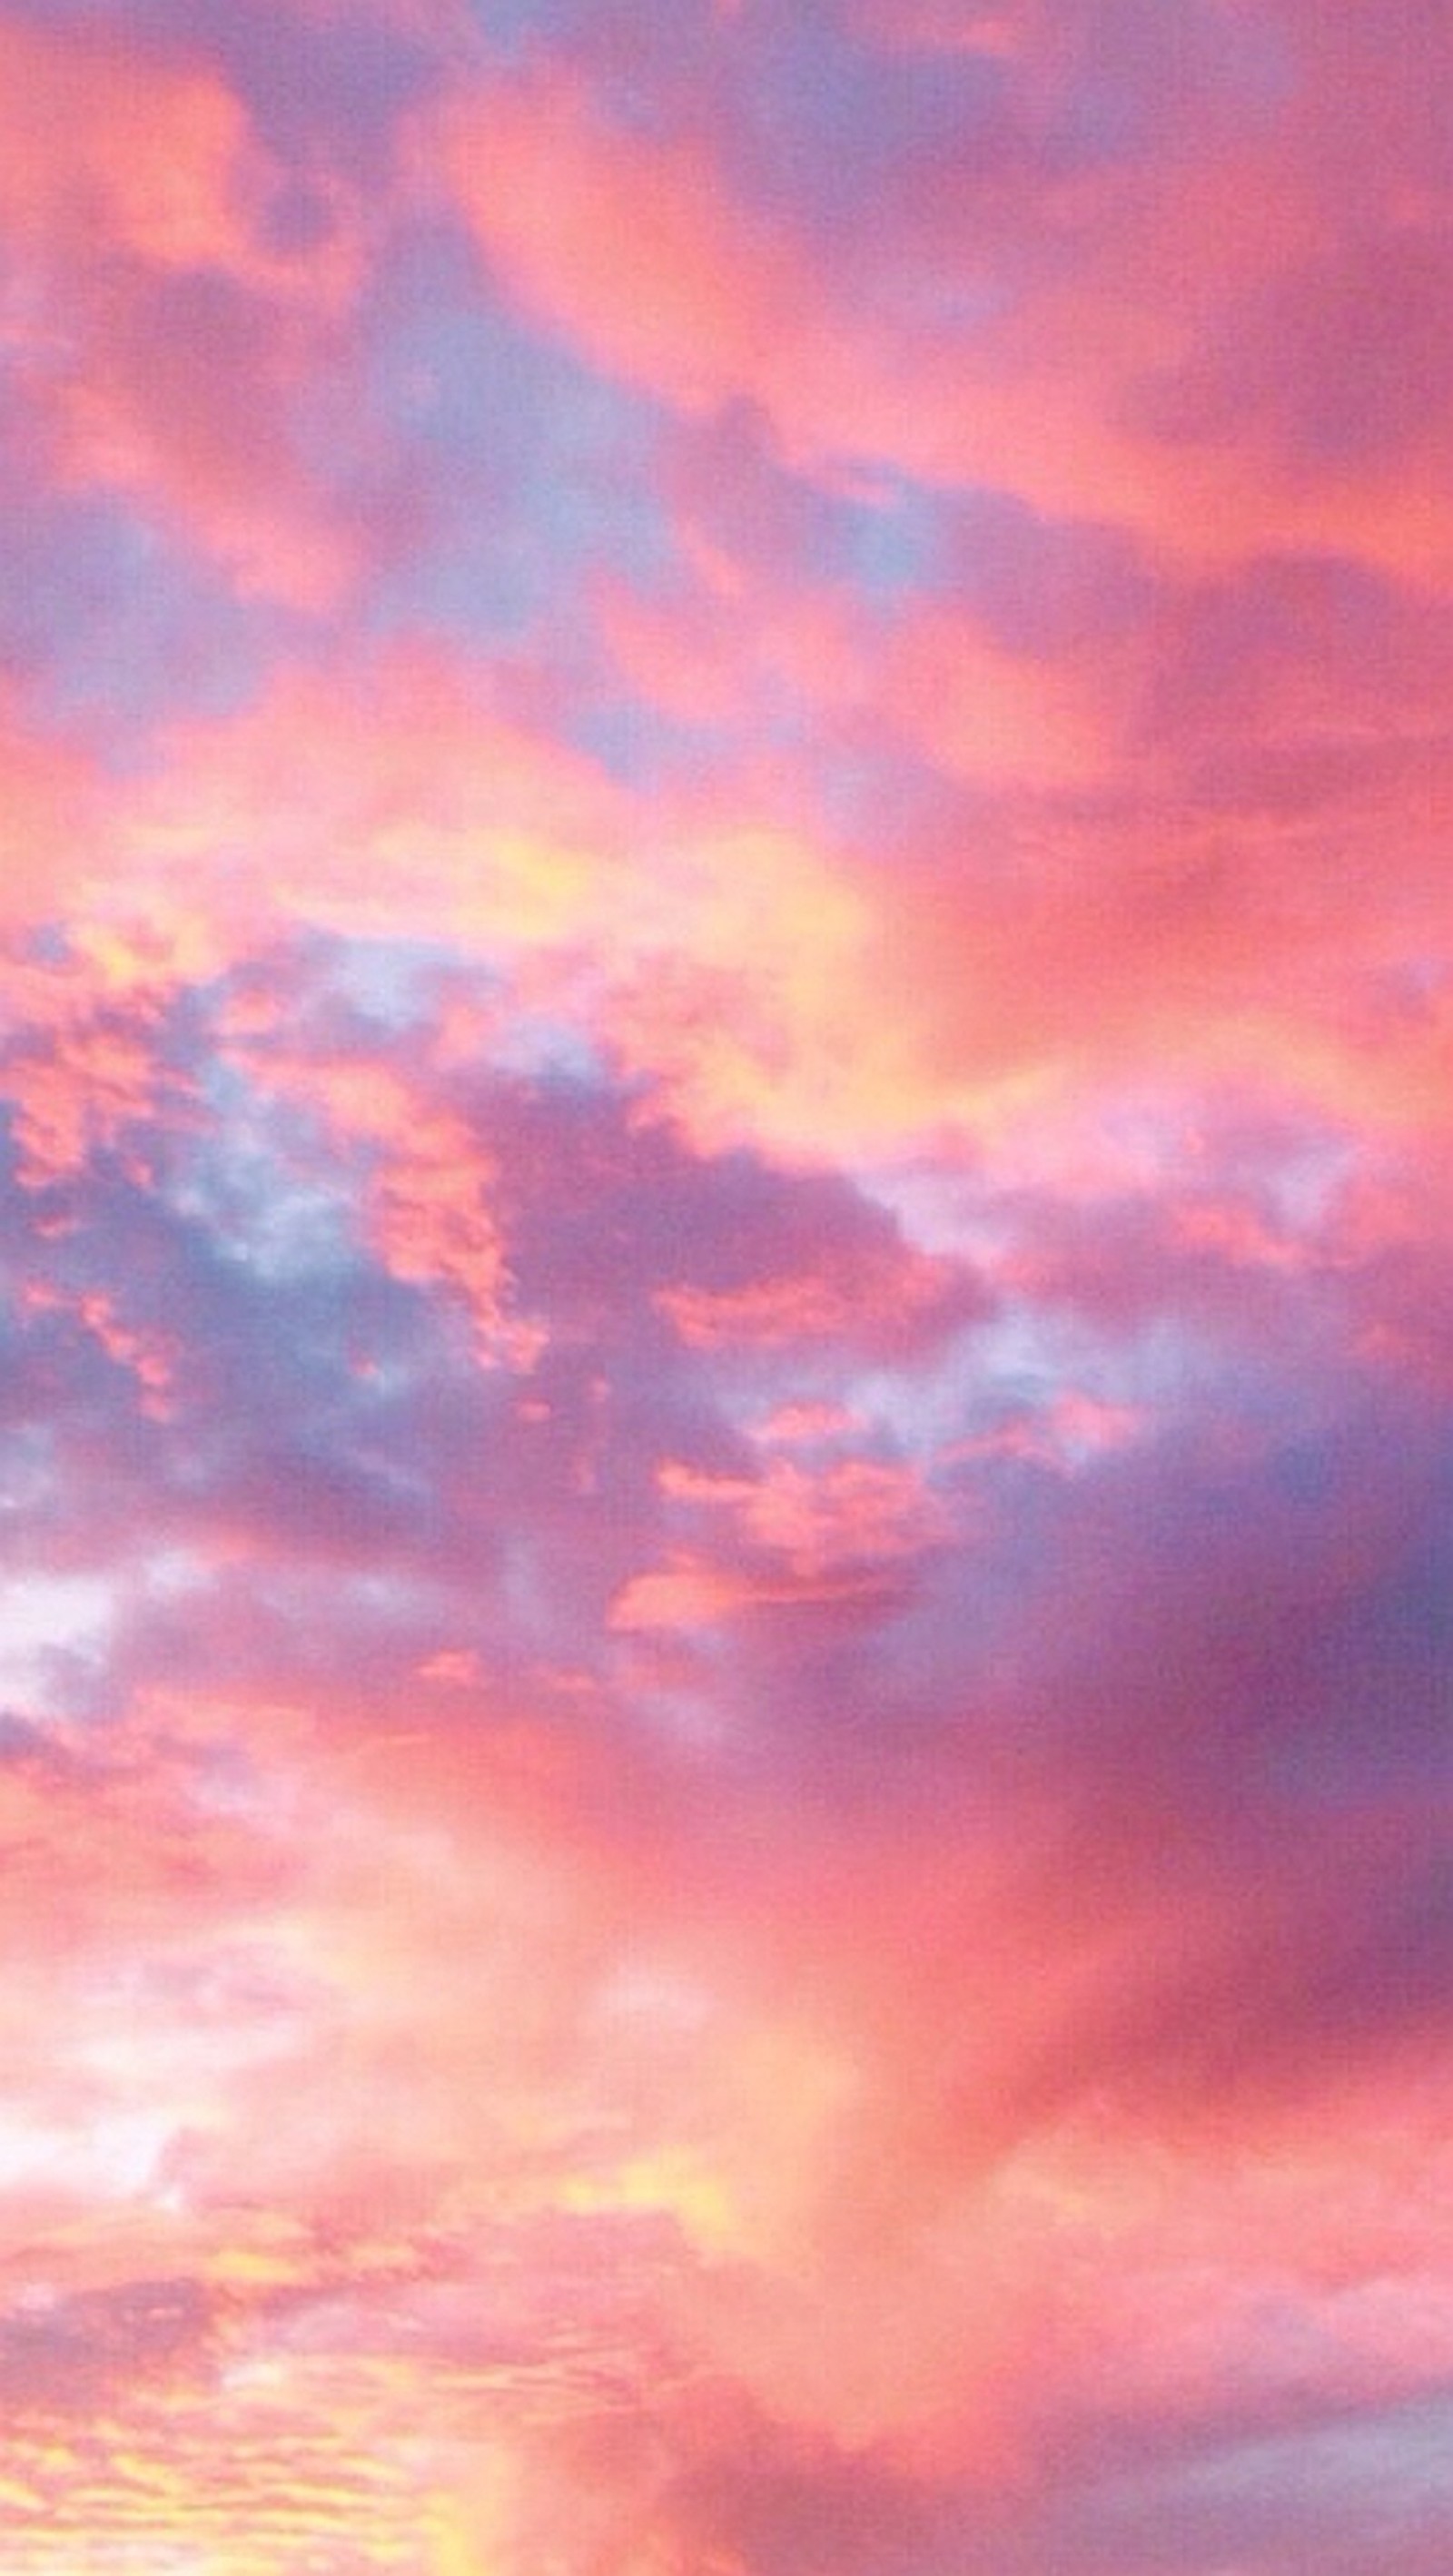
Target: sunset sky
(726, 1427)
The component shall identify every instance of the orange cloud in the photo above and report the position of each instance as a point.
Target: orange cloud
(396, 797)
(772, 983)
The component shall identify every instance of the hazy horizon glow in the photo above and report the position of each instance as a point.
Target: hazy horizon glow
(726, 978)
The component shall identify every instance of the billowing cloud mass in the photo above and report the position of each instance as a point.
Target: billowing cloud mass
(726, 1428)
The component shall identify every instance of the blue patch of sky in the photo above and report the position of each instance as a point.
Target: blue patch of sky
(541, 1049)
(882, 545)
(112, 629)
(1039, 586)
(1011, 1364)
(245, 1184)
(1378, 2470)
(829, 122)
(394, 984)
(1303, 1183)
(1256, 54)
(398, 987)
(814, 115)
(1104, 117)
(335, 79)
(812, 119)
(639, 745)
(532, 469)
(516, 28)
(890, 542)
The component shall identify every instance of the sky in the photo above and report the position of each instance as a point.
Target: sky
(726, 1288)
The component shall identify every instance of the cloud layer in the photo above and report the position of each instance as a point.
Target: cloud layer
(726, 1438)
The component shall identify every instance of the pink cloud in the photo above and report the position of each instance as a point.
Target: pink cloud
(1091, 293)
(138, 200)
(52, 800)
(724, 1493)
